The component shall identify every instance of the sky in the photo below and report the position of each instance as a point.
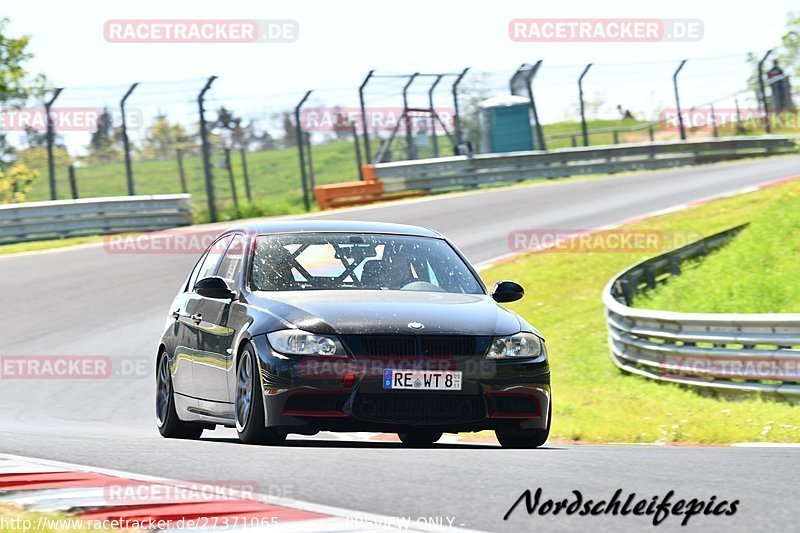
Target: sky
(339, 41)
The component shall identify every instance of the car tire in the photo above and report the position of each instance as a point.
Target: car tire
(526, 438)
(419, 438)
(169, 425)
(248, 403)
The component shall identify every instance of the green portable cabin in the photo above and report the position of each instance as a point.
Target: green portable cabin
(506, 124)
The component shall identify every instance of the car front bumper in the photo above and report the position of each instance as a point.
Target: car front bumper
(310, 394)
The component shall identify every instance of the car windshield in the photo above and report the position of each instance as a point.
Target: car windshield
(317, 261)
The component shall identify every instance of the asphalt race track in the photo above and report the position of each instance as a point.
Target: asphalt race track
(86, 301)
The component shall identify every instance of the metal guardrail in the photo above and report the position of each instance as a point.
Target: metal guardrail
(486, 169)
(33, 221)
(723, 352)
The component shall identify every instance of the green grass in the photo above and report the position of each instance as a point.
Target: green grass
(593, 400)
(765, 259)
(274, 179)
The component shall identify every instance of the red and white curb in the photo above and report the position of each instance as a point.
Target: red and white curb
(108, 496)
(639, 218)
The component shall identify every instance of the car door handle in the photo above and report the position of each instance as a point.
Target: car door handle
(176, 314)
(197, 318)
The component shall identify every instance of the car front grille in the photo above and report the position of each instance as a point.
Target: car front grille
(415, 345)
(419, 408)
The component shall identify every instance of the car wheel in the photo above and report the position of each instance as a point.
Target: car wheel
(249, 405)
(526, 438)
(169, 425)
(419, 438)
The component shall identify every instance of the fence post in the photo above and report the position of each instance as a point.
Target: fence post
(434, 140)
(456, 117)
(181, 172)
(125, 145)
(300, 149)
(311, 183)
(678, 99)
(762, 92)
(230, 177)
(364, 115)
(358, 151)
(583, 114)
(411, 149)
(246, 175)
(73, 185)
(51, 165)
(211, 197)
(713, 121)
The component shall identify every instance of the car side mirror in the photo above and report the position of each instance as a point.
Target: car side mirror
(214, 287)
(507, 291)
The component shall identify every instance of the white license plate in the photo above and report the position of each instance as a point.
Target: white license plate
(421, 379)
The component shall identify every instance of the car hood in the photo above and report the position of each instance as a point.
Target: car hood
(362, 312)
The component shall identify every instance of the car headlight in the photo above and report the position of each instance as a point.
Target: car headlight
(519, 346)
(299, 342)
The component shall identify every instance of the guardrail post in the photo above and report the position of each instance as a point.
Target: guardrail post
(580, 96)
(125, 145)
(246, 175)
(210, 195)
(73, 185)
(51, 164)
(678, 99)
(762, 93)
(300, 151)
(364, 115)
(180, 170)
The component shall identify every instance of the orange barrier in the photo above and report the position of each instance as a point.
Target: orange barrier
(356, 192)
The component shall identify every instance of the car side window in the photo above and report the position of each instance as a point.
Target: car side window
(212, 259)
(193, 276)
(231, 263)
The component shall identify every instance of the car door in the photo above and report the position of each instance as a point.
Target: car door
(183, 335)
(217, 330)
(191, 315)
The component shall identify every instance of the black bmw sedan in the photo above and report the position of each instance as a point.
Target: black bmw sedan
(307, 326)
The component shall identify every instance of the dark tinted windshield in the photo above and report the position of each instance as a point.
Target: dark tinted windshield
(291, 262)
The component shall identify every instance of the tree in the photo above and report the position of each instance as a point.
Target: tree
(790, 57)
(15, 182)
(162, 139)
(17, 86)
(104, 146)
(289, 130)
